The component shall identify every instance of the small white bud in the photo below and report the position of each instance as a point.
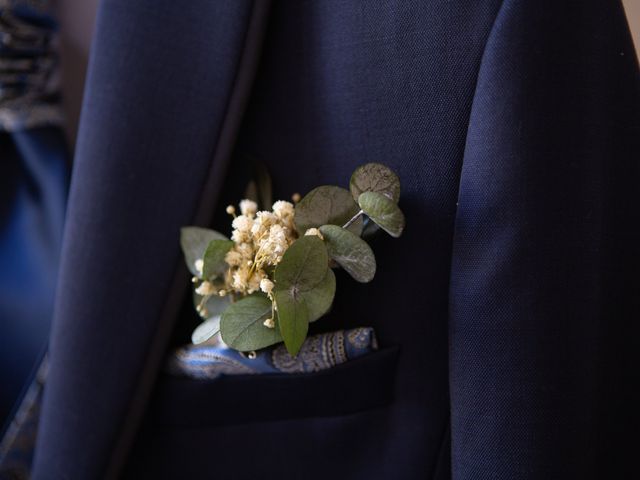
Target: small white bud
(205, 288)
(248, 207)
(269, 323)
(231, 209)
(266, 285)
(296, 197)
(283, 209)
(242, 223)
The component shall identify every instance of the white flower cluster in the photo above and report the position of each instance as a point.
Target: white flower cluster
(261, 238)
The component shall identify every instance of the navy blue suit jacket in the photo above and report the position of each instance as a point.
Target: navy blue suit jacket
(508, 312)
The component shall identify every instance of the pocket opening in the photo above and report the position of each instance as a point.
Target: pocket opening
(355, 386)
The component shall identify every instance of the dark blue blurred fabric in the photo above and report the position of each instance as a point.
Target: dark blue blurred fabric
(513, 295)
(33, 188)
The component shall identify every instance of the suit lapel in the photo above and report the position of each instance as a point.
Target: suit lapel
(166, 89)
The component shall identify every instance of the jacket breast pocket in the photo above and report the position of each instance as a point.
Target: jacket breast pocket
(270, 425)
(357, 385)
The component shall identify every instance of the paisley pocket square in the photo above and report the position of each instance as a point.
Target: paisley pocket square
(318, 352)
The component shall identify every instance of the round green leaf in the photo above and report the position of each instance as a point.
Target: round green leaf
(320, 298)
(350, 252)
(324, 205)
(383, 211)
(194, 241)
(206, 330)
(375, 177)
(293, 319)
(214, 263)
(241, 325)
(303, 265)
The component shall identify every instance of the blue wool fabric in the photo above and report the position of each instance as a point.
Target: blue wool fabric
(506, 313)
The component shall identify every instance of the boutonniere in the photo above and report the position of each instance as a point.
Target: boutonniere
(274, 275)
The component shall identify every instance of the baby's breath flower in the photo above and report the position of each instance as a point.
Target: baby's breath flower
(273, 246)
(233, 258)
(205, 288)
(240, 280)
(283, 209)
(277, 234)
(242, 223)
(269, 323)
(245, 250)
(296, 197)
(231, 210)
(254, 281)
(222, 293)
(266, 285)
(199, 264)
(248, 207)
(260, 241)
(314, 231)
(262, 223)
(240, 236)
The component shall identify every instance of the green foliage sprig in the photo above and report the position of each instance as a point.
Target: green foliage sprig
(274, 276)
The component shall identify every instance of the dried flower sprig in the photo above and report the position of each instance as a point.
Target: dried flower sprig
(274, 276)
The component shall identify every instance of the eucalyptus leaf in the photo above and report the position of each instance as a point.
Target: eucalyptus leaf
(206, 330)
(383, 211)
(303, 265)
(320, 298)
(293, 319)
(194, 241)
(214, 305)
(350, 252)
(241, 325)
(325, 205)
(214, 263)
(375, 177)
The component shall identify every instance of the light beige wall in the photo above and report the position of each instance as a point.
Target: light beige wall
(632, 7)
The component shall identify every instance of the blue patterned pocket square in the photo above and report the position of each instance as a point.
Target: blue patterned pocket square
(319, 352)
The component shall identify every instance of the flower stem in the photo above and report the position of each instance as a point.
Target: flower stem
(353, 219)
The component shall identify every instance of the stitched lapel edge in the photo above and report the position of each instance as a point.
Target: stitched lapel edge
(238, 100)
